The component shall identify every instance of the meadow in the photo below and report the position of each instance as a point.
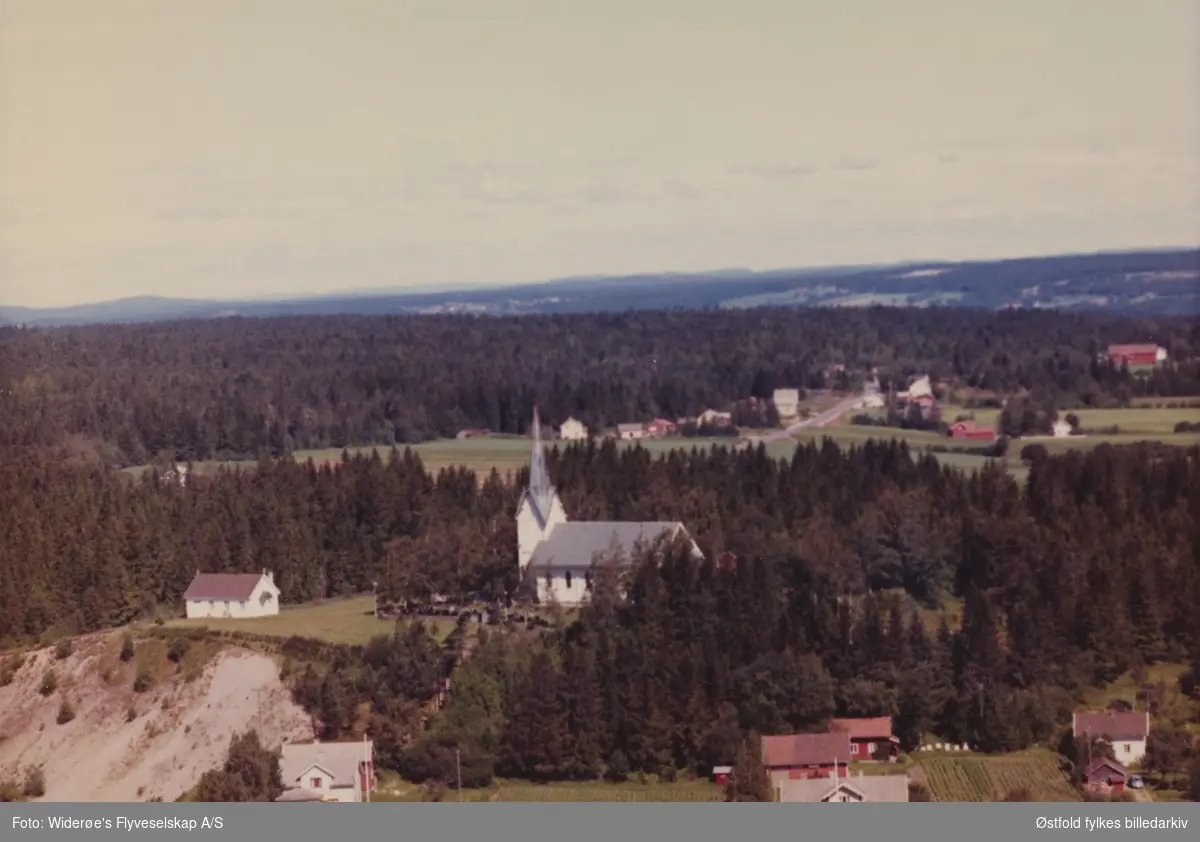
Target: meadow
(348, 621)
(507, 455)
(953, 777)
(394, 789)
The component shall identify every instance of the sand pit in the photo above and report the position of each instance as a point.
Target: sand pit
(180, 730)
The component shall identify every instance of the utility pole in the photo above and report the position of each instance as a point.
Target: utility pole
(458, 770)
(375, 599)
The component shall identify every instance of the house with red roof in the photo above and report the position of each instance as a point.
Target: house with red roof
(1125, 731)
(1105, 776)
(1136, 355)
(799, 756)
(972, 431)
(232, 595)
(869, 736)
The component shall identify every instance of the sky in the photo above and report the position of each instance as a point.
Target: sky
(246, 148)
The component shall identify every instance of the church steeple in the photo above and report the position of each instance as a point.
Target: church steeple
(541, 490)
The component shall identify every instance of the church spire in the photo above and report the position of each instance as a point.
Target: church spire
(541, 491)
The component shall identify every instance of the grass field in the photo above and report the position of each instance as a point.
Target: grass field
(343, 621)
(509, 454)
(990, 778)
(394, 789)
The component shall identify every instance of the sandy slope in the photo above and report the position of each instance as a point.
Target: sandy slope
(99, 756)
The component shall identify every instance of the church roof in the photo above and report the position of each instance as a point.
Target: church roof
(576, 544)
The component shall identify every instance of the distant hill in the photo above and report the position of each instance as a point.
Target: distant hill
(1130, 283)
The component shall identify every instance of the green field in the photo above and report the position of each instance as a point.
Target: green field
(990, 778)
(346, 621)
(509, 454)
(394, 789)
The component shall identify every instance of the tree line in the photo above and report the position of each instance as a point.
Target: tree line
(240, 388)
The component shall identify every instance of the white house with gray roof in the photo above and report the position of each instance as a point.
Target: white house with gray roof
(317, 771)
(561, 552)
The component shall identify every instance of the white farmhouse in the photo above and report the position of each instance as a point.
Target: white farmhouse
(561, 552)
(631, 431)
(572, 430)
(320, 771)
(1061, 429)
(1125, 731)
(787, 402)
(230, 595)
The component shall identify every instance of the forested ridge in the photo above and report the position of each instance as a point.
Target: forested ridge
(1092, 569)
(239, 388)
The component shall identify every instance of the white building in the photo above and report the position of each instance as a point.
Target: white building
(873, 400)
(1125, 731)
(1061, 429)
(572, 430)
(787, 402)
(231, 595)
(631, 431)
(919, 388)
(714, 418)
(320, 771)
(559, 552)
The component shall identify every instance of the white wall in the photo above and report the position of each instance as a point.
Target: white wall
(529, 531)
(1129, 752)
(343, 793)
(263, 602)
(563, 587)
(573, 430)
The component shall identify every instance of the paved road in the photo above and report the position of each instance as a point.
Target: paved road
(841, 408)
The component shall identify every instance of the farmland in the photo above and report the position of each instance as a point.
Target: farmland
(348, 621)
(509, 454)
(990, 778)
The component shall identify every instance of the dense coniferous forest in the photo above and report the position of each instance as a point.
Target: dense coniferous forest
(839, 555)
(239, 388)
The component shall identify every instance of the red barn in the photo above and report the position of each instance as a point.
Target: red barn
(971, 430)
(867, 735)
(798, 756)
(1105, 776)
(1131, 355)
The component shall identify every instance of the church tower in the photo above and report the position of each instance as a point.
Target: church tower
(540, 510)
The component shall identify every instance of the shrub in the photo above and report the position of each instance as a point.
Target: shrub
(65, 712)
(49, 682)
(35, 782)
(8, 669)
(919, 792)
(178, 648)
(127, 648)
(130, 713)
(62, 649)
(143, 681)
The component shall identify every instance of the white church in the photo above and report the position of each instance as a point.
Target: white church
(562, 552)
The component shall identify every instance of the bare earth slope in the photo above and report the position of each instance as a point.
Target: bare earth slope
(181, 729)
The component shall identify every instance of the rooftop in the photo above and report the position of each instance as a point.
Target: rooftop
(224, 586)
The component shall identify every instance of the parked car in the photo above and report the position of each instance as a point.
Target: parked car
(1136, 782)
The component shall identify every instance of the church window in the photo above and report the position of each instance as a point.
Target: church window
(568, 580)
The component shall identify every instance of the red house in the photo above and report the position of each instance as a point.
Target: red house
(798, 756)
(1131, 355)
(867, 735)
(659, 427)
(1105, 776)
(971, 430)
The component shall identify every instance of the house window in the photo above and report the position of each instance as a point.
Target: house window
(854, 748)
(568, 580)
(315, 783)
(1128, 750)
(870, 748)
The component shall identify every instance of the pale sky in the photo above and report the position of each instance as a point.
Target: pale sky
(235, 148)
